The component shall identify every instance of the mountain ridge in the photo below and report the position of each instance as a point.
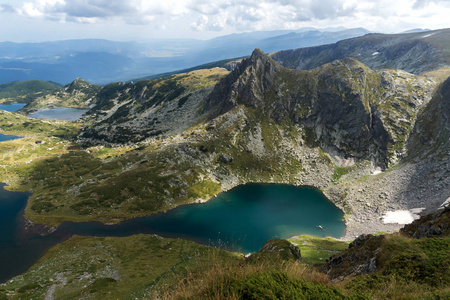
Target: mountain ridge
(412, 52)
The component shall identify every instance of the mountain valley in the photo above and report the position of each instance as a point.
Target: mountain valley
(365, 120)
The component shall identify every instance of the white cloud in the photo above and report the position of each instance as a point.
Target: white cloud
(7, 8)
(238, 15)
(424, 3)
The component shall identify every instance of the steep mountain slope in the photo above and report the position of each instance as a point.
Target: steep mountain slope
(132, 112)
(412, 52)
(348, 109)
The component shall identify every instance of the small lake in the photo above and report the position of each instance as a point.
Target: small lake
(6, 137)
(242, 219)
(12, 107)
(59, 113)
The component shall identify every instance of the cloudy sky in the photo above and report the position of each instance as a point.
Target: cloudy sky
(42, 20)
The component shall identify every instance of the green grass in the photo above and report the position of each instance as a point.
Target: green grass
(278, 285)
(112, 268)
(25, 91)
(255, 281)
(407, 268)
(316, 250)
(340, 171)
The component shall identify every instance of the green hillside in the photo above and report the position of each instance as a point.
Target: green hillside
(26, 91)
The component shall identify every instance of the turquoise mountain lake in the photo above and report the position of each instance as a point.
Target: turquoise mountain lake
(241, 219)
(59, 113)
(12, 107)
(6, 137)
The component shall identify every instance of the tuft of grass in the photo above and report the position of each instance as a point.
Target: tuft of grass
(256, 281)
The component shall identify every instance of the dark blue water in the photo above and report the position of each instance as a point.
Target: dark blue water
(12, 107)
(6, 137)
(242, 219)
(59, 113)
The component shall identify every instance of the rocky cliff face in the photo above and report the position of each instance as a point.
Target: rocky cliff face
(345, 107)
(432, 130)
(350, 110)
(413, 52)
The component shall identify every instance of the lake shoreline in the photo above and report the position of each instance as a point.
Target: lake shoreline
(238, 221)
(58, 113)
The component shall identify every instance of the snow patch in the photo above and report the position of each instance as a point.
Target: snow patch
(377, 171)
(427, 35)
(446, 202)
(402, 216)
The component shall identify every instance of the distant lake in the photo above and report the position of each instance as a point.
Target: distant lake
(241, 219)
(6, 137)
(12, 107)
(59, 113)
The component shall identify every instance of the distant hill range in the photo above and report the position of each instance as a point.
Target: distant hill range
(102, 61)
(416, 52)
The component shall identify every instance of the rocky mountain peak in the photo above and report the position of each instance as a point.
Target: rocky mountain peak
(246, 84)
(80, 85)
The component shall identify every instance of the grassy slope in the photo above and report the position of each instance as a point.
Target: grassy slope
(93, 185)
(100, 183)
(112, 268)
(18, 157)
(316, 250)
(147, 267)
(407, 269)
(25, 91)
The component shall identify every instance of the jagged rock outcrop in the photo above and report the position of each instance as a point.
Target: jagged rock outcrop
(358, 259)
(246, 84)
